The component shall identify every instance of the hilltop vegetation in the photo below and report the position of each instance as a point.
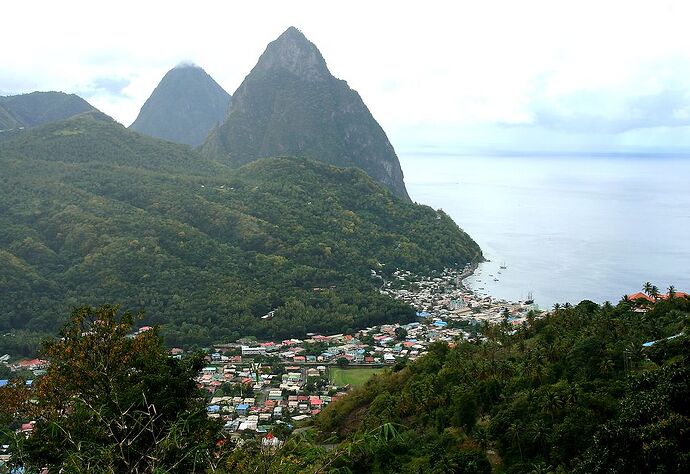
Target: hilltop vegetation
(93, 213)
(575, 391)
(37, 108)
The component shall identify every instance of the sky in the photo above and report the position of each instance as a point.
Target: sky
(440, 77)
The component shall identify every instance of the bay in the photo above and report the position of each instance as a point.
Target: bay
(569, 227)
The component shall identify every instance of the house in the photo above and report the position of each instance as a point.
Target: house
(242, 409)
(639, 296)
(275, 395)
(270, 441)
(253, 351)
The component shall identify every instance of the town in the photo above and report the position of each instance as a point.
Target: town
(254, 386)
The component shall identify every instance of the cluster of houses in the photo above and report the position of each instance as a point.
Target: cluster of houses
(264, 395)
(253, 385)
(29, 368)
(443, 297)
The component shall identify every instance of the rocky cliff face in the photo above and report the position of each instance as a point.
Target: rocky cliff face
(184, 107)
(290, 104)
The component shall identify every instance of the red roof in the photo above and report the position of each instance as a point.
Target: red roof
(639, 295)
(678, 294)
(32, 362)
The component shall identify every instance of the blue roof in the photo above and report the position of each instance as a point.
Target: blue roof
(423, 314)
(440, 324)
(651, 343)
(213, 408)
(4, 382)
(243, 406)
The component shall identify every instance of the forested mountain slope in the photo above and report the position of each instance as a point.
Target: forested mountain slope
(575, 391)
(93, 213)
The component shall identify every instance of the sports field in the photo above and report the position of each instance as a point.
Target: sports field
(354, 376)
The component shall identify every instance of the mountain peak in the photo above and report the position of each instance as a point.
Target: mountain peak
(294, 53)
(291, 105)
(184, 107)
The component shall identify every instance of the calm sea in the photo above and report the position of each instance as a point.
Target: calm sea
(567, 228)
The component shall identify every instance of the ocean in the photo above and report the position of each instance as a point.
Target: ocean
(567, 228)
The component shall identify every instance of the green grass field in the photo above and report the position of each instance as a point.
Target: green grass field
(355, 376)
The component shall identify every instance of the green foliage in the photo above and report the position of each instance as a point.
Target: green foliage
(36, 108)
(111, 403)
(91, 213)
(572, 391)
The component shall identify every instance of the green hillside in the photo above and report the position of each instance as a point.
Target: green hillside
(577, 391)
(91, 212)
(37, 108)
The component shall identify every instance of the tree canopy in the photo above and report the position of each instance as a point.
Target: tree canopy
(111, 402)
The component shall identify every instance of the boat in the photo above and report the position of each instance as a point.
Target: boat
(503, 265)
(530, 298)
(495, 279)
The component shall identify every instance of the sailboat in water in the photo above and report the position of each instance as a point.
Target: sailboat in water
(503, 265)
(530, 298)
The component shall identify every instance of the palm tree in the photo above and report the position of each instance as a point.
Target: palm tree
(654, 292)
(539, 434)
(606, 366)
(541, 468)
(572, 394)
(551, 403)
(671, 292)
(514, 432)
(632, 354)
(567, 305)
(556, 307)
(647, 288)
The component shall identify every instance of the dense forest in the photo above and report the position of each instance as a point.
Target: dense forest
(586, 389)
(91, 213)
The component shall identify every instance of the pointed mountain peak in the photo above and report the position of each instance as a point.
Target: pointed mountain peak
(184, 107)
(294, 53)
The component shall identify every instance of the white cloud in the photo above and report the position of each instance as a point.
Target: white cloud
(454, 72)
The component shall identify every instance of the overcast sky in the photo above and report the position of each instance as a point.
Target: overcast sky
(446, 76)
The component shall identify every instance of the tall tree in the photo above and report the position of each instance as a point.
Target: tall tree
(112, 402)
